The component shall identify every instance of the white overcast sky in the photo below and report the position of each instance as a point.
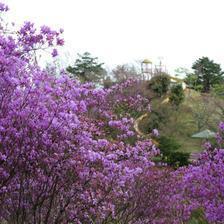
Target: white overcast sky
(121, 31)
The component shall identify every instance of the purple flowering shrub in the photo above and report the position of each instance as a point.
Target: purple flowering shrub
(202, 184)
(152, 200)
(57, 163)
(128, 98)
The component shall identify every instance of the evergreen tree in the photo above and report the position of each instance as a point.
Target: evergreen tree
(160, 84)
(176, 95)
(87, 69)
(207, 74)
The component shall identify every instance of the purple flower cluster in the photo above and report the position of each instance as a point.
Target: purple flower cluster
(31, 40)
(3, 7)
(155, 132)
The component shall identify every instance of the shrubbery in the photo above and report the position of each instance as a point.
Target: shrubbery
(58, 162)
(176, 95)
(160, 84)
(170, 155)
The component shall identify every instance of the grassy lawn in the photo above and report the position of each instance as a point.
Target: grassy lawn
(190, 145)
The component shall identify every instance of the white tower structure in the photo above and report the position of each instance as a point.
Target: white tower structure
(146, 69)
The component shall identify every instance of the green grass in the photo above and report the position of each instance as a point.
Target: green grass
(190, 145)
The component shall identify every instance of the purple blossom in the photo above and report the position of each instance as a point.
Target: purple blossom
(60, 42)
(54, 53)
(221, 126)
(155, 132)
(102, 143)
(3, 7)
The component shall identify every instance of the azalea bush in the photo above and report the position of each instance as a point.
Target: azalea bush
(202, 184)
(58, 163)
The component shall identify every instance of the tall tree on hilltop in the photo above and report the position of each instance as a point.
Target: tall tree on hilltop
(207, 73)
(87, 69)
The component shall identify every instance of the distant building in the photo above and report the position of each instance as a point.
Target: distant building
(146, 69)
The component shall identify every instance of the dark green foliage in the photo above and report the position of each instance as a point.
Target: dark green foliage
(153, 121)
(178, 159)
(192, 81)
(218, 89)
(160, 84)
(176, 95)
(168, 145)
(206, 74)
(157, 118)
(170, 154)
(87, 69)
(198, 217)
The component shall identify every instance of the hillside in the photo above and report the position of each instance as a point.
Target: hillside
(196, 113)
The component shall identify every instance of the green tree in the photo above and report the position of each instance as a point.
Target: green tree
(169, 148)
(160, 84)
(218, 90)
(193, 82)
(176, 95)
(87, 69)
(207, 73)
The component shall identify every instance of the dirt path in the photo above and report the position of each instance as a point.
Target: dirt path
(136, 124)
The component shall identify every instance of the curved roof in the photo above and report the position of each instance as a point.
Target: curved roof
(204, 134)
(146, 61)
